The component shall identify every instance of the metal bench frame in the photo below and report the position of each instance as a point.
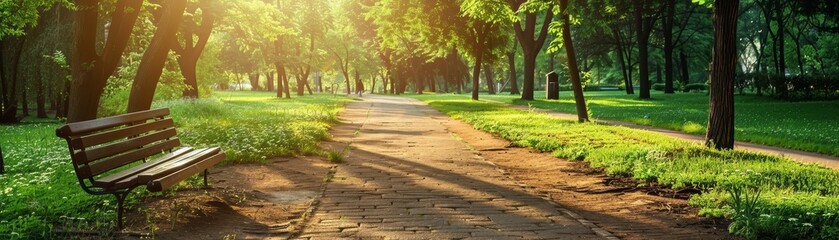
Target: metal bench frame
(100, 148)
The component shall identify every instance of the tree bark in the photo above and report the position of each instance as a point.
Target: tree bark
(643, 29)
(253, 78)
(670, 9)
(573, 70)
(685, 68)
(511, 61)
(269, 81)
(720, 133)
(490, 79)
(154, 59)
(779, 18)
(41, 99)
(90, 71)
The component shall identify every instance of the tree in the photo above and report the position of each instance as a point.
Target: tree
(15, 18)
(194, 38)
(720, 133)
(89, 69)
(530, 46)
(154, 58)
(669, 19)
(573, 69)
(643, 25)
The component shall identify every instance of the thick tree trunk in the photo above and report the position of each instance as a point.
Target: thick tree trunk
(720, 133)
(188, 70)
(154, 59)
(643, 37)
(269, 81)
(529, 76)
(511, 62)
(253, 78)
(9, 114)
(573, 70)
(531, 48)
(670, 9)
(490, 79)
(90, 71)
(191, 51)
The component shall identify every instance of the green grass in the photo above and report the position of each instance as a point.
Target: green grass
(807, 126)
(790, 200)
(40, 188)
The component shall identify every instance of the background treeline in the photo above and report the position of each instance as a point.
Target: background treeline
(787, 48)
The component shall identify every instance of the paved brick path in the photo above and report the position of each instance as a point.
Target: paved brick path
(407, 177)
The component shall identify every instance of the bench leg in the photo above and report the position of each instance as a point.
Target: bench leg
(121, 207)
(205, 177)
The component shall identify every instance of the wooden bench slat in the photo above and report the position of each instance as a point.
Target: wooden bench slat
(113, 135)
(167, 181)
(110, 180)
(90, 155)
(173, 166)
(102, 166)
(81, 128)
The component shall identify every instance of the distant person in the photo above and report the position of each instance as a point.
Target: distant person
(359, 85)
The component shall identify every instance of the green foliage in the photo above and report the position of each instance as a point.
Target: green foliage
(40, 189)
(766, 196)
(16, 16)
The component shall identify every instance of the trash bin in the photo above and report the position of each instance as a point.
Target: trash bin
(552, 88)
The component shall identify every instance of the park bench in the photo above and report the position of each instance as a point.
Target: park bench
(107, 154)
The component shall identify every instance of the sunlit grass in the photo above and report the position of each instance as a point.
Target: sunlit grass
(788, 190)
(808, 126)
(40, 188)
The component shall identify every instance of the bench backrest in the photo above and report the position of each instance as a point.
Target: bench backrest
(100, 145)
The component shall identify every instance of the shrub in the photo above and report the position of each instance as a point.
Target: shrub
(696, 87)
(658, 86)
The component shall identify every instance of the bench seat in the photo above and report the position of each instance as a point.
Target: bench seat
(114, 155)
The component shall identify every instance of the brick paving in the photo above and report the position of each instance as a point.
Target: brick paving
(407, 177)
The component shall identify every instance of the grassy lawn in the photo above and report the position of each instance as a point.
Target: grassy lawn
(40, 188)
(808, 126)
(766, 196)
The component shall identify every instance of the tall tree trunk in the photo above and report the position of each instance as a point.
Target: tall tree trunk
(90, 71)
(573, 70)
(511, 61)
(721, 113)
(643, 38)
(151, 66)
(9, 114)
(269, 81)
(24, 101)
(490, 79)
(670, 9)
(278, 66)
(781, 42)
(41, 99)
(685, 68)
(286, 85)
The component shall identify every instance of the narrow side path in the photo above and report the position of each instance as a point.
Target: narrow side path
(407, 177)
(801, 156)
